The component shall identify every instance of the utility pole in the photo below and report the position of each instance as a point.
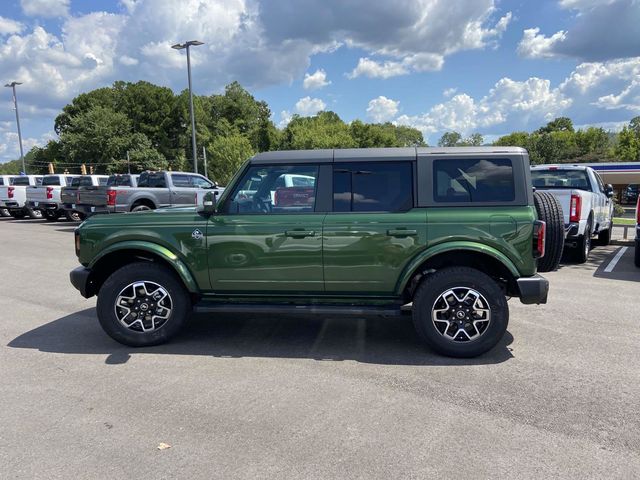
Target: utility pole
(15, 105)
(204, 155)
(180, 46)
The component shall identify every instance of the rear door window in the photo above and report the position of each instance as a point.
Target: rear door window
(180, 180)
(372, 187)
(473, 180)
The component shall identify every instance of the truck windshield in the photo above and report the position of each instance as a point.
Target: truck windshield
(546, 179)
(50, 181)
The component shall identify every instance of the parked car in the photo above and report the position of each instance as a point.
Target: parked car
(46, 196)
(442, 234)
(630, 194)
(14, 196)
(637, 241)
(5, 180)
(157, 190)
(586, 202)
(104, 198)
(69, 194)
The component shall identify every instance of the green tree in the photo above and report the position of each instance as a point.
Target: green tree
(225, 155)
(592, 142)
(628, 147)
(560, 124)
(324, 130)
(450, 139)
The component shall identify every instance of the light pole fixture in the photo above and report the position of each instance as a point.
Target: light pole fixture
(180, 46)
(12, 85)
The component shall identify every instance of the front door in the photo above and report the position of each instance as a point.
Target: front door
(374, 229)
(268, 236)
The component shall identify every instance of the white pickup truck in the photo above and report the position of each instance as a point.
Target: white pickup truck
(14, 196)
(46, 197)
(586, 202)
(5, 180)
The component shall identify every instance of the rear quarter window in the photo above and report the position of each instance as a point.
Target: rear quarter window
(473, 180)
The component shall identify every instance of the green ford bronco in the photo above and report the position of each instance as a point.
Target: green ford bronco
(443, 234)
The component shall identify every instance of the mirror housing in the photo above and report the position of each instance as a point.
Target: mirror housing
(207, 203)
(608, 190)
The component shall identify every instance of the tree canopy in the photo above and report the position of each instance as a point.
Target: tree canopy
(152, 124)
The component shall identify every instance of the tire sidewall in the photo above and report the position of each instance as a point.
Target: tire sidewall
(436, 284)
(142, 272)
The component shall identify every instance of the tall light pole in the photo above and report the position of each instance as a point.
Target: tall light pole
(15, 105)
(180, 46)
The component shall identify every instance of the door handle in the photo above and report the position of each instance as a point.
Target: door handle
(299, 233)
(401, 232)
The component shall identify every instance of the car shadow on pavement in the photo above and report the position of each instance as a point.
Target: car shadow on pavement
(377, 340)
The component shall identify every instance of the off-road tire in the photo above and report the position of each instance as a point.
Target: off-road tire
(141, 207)
(583, 247)
(429, 292)
(550, 211)
(35, 213)
(74, 216)
(142, 272)
(4, 212)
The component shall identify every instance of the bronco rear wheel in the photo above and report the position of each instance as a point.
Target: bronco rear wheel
(460, 312)
(142, 304)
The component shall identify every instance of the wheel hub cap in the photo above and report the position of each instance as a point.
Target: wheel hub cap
(143, 306)
(461, 314)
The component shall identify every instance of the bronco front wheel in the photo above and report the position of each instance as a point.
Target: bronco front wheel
(142, 304)
(460, 312)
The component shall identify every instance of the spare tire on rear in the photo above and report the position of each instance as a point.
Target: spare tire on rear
(550, 212)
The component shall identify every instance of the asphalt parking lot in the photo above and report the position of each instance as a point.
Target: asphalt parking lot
(307, 398)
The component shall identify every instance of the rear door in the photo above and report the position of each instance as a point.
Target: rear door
(182, 191)
(374, 229)
(261, 245)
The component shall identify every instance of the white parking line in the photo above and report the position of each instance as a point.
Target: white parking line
(615, 260)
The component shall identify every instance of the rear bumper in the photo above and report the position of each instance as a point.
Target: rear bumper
(92, 209)
(80, 280)
(43, 205)
(533, 289)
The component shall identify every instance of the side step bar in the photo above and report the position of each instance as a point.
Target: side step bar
(213, 307)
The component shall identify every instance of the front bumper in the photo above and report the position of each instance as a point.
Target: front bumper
(80, 280)
(533, 289)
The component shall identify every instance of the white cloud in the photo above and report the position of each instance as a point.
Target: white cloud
(382, 109)
(534, 45)
(308, 106)
(285, 118)
(45, 8)
(372, 69)
(602, 30)
(449, 92)
(8, 26)
(316, 80)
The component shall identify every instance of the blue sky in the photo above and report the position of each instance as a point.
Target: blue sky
(487, 66)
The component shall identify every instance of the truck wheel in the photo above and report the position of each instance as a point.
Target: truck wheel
(460, 312)
(142, 304)
(16, 213)
(550, 211)
(141, 207)
(34, 213)
(51, 215)
(604, 237)
(584, 245)
(4, 212)
(73, 216)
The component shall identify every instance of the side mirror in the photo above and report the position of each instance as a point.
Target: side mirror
(206, 203)
(609, 190)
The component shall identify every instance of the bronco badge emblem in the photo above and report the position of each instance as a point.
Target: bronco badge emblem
(196, 234)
